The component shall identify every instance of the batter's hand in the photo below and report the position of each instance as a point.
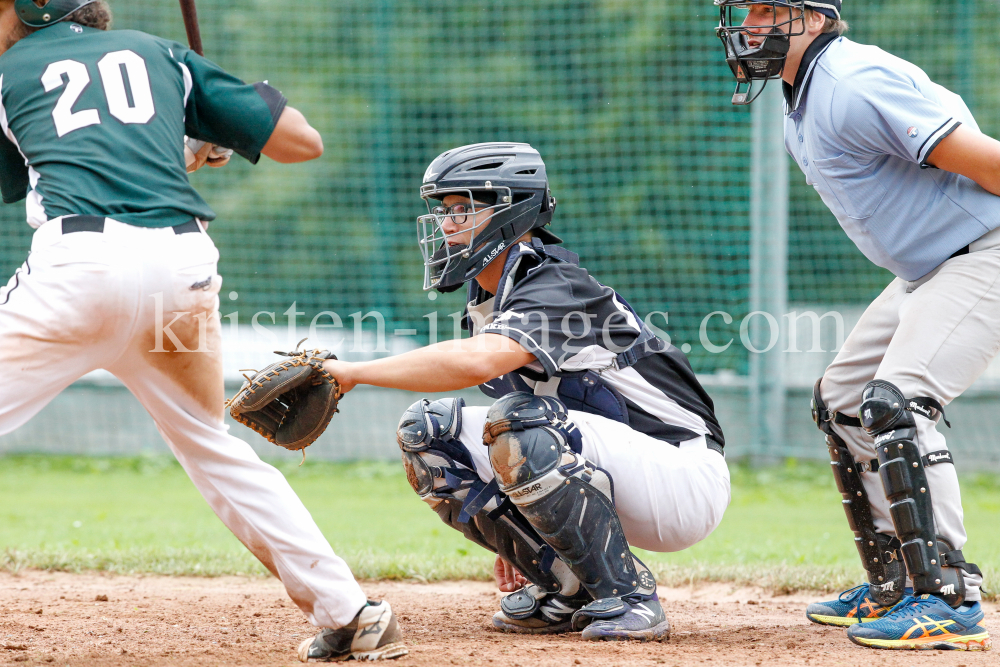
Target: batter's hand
(198, 153)
(507, 576)
(219, 157)
(195, 154)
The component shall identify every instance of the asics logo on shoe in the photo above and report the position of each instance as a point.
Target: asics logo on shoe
(928, 627)
(871, 609)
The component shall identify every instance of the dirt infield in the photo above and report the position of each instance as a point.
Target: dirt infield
(63, 619)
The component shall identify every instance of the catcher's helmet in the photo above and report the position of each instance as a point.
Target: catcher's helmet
(40, 13)
(508, 177)
(767, 59)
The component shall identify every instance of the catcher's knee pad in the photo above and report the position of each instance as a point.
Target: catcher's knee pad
(440, 470)
(437, 465)
(534, 452)
(932, 564)
(879, 553)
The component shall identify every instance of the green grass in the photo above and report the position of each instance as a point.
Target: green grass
(784, 530)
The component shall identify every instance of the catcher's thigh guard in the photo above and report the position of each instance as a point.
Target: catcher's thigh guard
(930, 561)
(879, 553)
(567, 499)
(443, 474)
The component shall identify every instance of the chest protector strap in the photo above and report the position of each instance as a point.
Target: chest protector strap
(586, 391)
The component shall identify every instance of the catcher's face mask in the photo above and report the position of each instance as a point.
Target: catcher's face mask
(449, 235)
(756, 37)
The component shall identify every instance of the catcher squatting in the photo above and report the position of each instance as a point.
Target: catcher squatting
(586, 394)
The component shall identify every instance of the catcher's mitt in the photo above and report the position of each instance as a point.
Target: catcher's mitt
(289, 402)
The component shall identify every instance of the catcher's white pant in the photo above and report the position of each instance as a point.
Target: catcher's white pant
(668, 498)
(930, 337)
(130, 300)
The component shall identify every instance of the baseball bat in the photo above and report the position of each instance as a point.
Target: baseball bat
(190, 13)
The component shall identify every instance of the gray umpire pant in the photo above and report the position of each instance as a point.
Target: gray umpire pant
(930, 337)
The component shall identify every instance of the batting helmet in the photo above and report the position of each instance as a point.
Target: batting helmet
(40, 13)
(510, 179)
(765, 58)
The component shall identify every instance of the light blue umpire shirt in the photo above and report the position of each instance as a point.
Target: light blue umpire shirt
(860, 124)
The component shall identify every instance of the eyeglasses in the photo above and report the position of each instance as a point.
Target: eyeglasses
(457, 212)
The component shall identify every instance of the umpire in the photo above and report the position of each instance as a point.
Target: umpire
(901, 163)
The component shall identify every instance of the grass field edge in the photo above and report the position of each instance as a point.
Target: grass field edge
(774, 578)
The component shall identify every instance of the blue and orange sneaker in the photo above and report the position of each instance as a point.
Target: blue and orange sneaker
(925, 622)
(855, 605)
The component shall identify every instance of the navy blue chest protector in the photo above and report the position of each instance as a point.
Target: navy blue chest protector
(586, 391)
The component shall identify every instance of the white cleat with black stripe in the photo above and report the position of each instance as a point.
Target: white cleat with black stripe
(372, 635)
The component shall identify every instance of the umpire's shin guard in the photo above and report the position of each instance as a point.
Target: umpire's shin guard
(879, 552)
(930, 560)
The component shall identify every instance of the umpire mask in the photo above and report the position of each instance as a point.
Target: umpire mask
(504, 194)
(756, 36)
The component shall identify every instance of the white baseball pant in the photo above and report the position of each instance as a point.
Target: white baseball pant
(131, 300)
(668, 498)
(930, 337)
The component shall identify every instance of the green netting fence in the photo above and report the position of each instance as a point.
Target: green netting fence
(627, 100)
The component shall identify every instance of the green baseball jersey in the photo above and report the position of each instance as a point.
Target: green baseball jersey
(93, 123)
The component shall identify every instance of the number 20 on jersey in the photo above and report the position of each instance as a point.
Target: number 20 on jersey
(139, 109)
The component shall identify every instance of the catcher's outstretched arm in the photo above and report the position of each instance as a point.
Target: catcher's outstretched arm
(445, 366)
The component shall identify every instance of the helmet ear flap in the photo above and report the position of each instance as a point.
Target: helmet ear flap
(42, 13)
(546, 201)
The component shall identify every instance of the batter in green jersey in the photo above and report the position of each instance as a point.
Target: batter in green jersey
(122, 275)
(92, 127)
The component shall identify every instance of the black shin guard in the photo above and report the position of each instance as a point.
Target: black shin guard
(879, 553)
(568, 500)
(930, 561)
(442, 473)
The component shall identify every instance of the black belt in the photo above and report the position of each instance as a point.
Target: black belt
(95, 223)
(960, 252)
(714, 445)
